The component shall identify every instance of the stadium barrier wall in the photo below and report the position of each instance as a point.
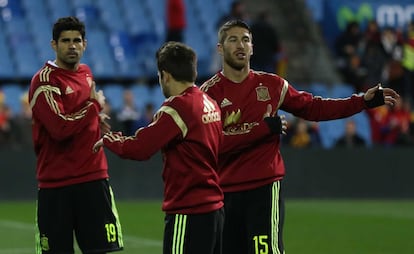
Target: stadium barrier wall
(312, 173)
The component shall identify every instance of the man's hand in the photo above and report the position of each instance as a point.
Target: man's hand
(103, 124)
(378, 96)
(277, 124)
(97, 95)
(98, 145)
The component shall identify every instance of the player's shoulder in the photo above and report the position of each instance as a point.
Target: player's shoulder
(267, 76)
(211, 83)
(84, 68)
(45, 75)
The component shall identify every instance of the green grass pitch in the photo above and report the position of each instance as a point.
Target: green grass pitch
(311, 226)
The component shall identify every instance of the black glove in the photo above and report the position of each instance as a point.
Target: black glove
(378, 99)
(274, 123)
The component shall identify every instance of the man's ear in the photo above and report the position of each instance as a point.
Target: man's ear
(219, 48)
(165, 76)
(53, 44)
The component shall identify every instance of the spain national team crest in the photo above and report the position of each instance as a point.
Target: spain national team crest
(262, 93)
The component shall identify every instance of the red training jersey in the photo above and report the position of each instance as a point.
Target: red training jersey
(188, 130)
(247, 163)
(65, 127)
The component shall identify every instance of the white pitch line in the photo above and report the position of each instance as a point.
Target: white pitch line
(136, 241)
(17, 251)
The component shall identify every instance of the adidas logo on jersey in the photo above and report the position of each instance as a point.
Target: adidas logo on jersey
(225, 102)
(211, 114)
(68, 90)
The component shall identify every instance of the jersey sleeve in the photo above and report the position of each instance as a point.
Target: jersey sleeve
(314, 108)
(167, 126)
(47, 107)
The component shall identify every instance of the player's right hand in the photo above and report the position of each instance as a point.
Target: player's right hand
(97, 95)
(277, 124)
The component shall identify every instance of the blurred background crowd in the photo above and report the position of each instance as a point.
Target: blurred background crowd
(329, 48)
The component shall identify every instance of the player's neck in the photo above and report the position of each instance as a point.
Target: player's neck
(66, 66)
(237, 76)
(179, 87)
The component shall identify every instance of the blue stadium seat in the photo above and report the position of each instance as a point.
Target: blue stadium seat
(60, 9)
(11, 10)
(142, 95)
(16, 25)
(101, 54)
(136, 17)
(6, 69)
(114, 93)
(319, 89)
(342, 90)
(32, 8)
(90, 15)
(111, 15)
(12, 94)
(157, 96)
(330, 131)
(363, 126)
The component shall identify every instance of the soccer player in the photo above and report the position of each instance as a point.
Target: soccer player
(74, 195)
(252, 171)
(188, 130)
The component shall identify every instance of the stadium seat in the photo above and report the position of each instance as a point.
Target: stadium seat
(12, 94)
(319, 89)
(157, 96)
(142, 95)
(114, 93)
(342, 90)
(60, 9)
(90, 15)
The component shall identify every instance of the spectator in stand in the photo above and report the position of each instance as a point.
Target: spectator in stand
(355, 74)
(301, 138)
(377, 120)
(397, 129)
(372, 34)
(23, 123)
(348, 44)
(267, 50)
(176, 20)
(5, 115)
(391, 42)
(408, 63)
(129, 114)
(373, 57)
(237, 11)
(351, 138)
(147, 117)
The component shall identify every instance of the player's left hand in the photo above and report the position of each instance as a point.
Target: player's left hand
(276, 123)
(378, 96)
(98, 145)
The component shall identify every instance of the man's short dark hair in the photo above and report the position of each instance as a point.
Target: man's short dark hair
(179, 60)
(222, 33)
(67, 24)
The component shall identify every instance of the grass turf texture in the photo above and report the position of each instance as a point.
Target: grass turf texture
(311, 226)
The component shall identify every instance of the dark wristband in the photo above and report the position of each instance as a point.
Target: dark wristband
(378, 99)
(274, 123)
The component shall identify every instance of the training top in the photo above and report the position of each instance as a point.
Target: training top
(249, 164)
(65, 127)
(188, 131)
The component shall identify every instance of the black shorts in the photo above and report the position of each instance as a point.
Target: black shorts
(86, 210)
(254, 221)
(194, 233)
